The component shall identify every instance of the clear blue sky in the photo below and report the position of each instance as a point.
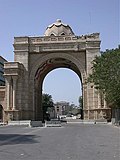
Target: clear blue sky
(31, 17)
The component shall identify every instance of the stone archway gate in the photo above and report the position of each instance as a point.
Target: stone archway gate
(35, 57)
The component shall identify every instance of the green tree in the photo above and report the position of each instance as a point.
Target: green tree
(47, 102)
(80, 102)
(106, 76)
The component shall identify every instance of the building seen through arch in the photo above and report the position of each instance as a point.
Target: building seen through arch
(35, 57)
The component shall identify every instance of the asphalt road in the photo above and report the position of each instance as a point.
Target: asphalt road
(69, 142)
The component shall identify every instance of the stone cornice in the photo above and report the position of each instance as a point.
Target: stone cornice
(56, 39)
(12, 69)
(56, 43)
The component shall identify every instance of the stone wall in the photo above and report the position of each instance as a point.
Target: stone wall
(2, 96)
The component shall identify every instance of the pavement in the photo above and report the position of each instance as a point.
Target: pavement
(68, 142)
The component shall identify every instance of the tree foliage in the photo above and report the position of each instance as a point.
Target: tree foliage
(81, 106)
(106, 75)
(80, 102)
(47, 102)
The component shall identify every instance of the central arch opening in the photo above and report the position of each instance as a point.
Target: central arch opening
(63, 84)
(66, 88)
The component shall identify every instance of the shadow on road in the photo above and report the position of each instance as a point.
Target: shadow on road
(12, 139)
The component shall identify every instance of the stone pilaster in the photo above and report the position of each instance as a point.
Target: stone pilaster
(8, 80)
(14, 92)
(105, 104)
(99, 100)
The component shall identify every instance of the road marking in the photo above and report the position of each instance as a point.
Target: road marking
(34, 130)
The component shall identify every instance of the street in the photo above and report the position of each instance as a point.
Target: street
(69, 142)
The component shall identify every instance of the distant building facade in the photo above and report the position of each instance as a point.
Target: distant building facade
(2, 79)
(62, 107)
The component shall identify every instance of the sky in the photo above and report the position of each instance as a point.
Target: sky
(31, 17)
